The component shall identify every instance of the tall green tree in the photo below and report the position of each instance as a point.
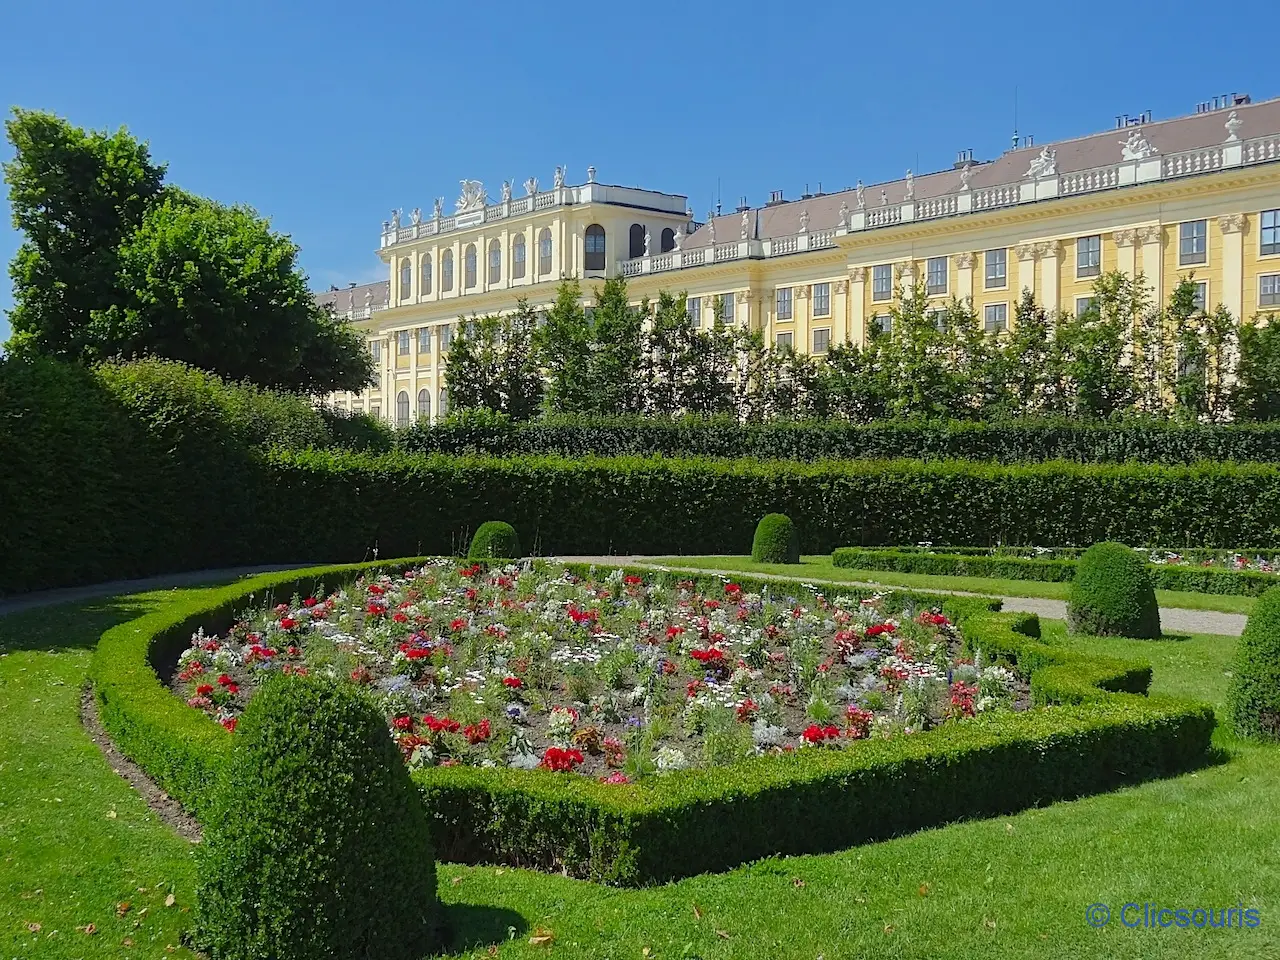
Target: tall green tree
(1092, 347)
(76, 197)
(563, 345)
(1257, 390)
(492, 365)
(616, 352)
(1028, 362)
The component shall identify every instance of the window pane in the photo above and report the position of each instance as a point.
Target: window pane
(726, 307)
(1269, 290)
(936, 275)
(406, 279)
(882, 282)
(822, 299)
(821, 340)
(1089, 256)
(426, 274)
(783, 341)
(694, 306)
(1192, 242)
(424, 339)
(784, 303)
(402, 346)
(1202, 296)
(996, 268)
(1270, 233)
(995, 317)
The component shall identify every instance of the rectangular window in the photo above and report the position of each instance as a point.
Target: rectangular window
(446, 336)
(402, 343)
(375, 410)
(782, 341)
(1193, 242)
(997, 269)
(1269, 234)
(995, 317)
(424, 339)
(1269, 290)
(883, 322)
(1082, 305)
(1202, 296)
(936, 276)
(882, 282)
(821, 340)
(726, 307)
(694, 306)
(1088, 257)
(783, 303)
(375, 350)
(939, 320)
(822, 299)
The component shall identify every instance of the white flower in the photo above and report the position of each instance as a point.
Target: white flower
(669, 758)
(764, 735)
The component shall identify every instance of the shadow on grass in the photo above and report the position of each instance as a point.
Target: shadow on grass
(67, 626)
(470, 926)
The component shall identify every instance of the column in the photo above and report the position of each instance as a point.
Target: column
(1152, 240)
(1231, 295)
(742, 309)
(1026, 254)
(1126, 251)
(905, 276)
(841, 331)
(964, 275)
(801, 320)
(1050, 254)
(858, 305)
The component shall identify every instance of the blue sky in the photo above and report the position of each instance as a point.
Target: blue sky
(324, 116)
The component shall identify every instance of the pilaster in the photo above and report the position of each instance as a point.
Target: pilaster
(1231, 294)
(1152, 240)
(964, 275)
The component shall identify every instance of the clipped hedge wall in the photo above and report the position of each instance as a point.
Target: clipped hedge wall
(1025, 441)
(950, 562)
(1104, 734)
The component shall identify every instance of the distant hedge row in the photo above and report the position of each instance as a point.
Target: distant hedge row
(1249, 583)
(1031, 441)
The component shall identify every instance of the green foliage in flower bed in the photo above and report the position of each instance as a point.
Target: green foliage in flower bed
(495, 538)
(1253, 696)
(317, 843)
(1103, 734)
(1112, 596)
(776, 540)
(1061, 568)
(1015, 441)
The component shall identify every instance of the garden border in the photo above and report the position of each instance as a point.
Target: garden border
(943, 562)
(1106, 733)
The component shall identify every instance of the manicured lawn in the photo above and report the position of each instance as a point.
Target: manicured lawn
(821, 568)
(1001, 888)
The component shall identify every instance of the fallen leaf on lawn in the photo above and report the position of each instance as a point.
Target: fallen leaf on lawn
(646, 952)
(499, 872)
(888, 928)
(722, 934)
(111, 814)
(456, 881)
(127, 942)
(924, 890)
(170, 900)
(1008, 828)
(542, 937)
(33, 928)
(493, 950)
(988, 922)
(89, 929)
(123, 907)
(697, 912)
(797, 882)
(143, 911)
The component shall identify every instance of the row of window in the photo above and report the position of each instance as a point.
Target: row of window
(405, 342)
(819, 299)
(821, 340)
(424, 405)
(519, 260)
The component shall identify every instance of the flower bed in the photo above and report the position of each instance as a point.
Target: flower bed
(617, 676)
(1103, 732)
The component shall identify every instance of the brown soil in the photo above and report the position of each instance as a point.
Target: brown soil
(165, 807)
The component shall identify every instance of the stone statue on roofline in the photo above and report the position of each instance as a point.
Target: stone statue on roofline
(711, 226)
(438, 210)
(862, 196)
(1044, 165)
(911, 186)
(647, 241)
(395, 219)
(679, 238)
(415, 217)
(744, 231)
(531, 186)
(844, 212)
(506, 191)
(558, 179)
(1136, 146)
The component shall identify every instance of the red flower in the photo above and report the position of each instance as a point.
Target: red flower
(441, 724)
(400, 617)
(514, 683)
(857, 722)
(204, 689)
(692, 687)
(879, 628)
(560, 759)
(362, 674)
(458, 624)
(376, 590)
(310, 602)
(225, 680)
(288, 623)
(673, 632)
(617, 777)
(732, 589)
(814, 734)
(477, 732)
(631, 580)
(376, 609)
(707, 656)
(747, 710)
(230, 724)
(404, 724)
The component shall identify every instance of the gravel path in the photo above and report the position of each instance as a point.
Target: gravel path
(1172, 619)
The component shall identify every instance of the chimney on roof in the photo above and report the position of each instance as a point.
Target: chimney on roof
(806, 195)
(743, 206)
(1223, 101)
(775, 197)
(963, 158)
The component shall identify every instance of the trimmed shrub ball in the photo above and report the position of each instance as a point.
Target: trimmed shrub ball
(776, 540)
(1112, 595)
(317, 843)
(494, 539)
(1253, 695)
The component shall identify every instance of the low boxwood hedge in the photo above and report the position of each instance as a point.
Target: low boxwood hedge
(980, 562)
(1105, 732)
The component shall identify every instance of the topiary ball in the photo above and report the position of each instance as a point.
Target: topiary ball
(776, 540)
(1112, 595)
(317, 843)
(494, 539)
(1253, 694)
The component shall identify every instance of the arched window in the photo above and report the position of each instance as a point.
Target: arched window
(544, 252)
(425, 286)
(444, 403)
(402, 409)
(424, 403)
(636, 241)
(495, 261)
(446, 271)
(406, 278)
(469, 267)
(594, 259)
(668, 240)
(517, 257)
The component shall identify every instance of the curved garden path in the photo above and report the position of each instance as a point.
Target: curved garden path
(1172, 619)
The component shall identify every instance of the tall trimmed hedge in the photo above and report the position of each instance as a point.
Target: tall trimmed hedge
(1253, 695)
(1026, 441)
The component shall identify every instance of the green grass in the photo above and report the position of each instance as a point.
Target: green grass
(1003, 888)
(821, 568)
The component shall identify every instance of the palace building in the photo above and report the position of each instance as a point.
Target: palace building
(1196, 196)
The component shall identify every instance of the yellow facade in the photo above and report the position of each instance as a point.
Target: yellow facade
(979, 231)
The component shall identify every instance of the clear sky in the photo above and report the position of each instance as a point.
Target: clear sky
(325, 115)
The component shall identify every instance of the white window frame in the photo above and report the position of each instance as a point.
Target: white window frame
(1275, 233)
(1084, 269)
(727, 307)
(424, 339)
(988, 259)
(929, 287)
(1203, 255)
(375, 350)
(1087, 303)
(783, 295)
(820, 300)
(693, 306)
(1275, 289)
(1204, 307)
(403, 343)
(778, 343)
(814, 336)
(1003, 319)
(882, 283)
(883, 322)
